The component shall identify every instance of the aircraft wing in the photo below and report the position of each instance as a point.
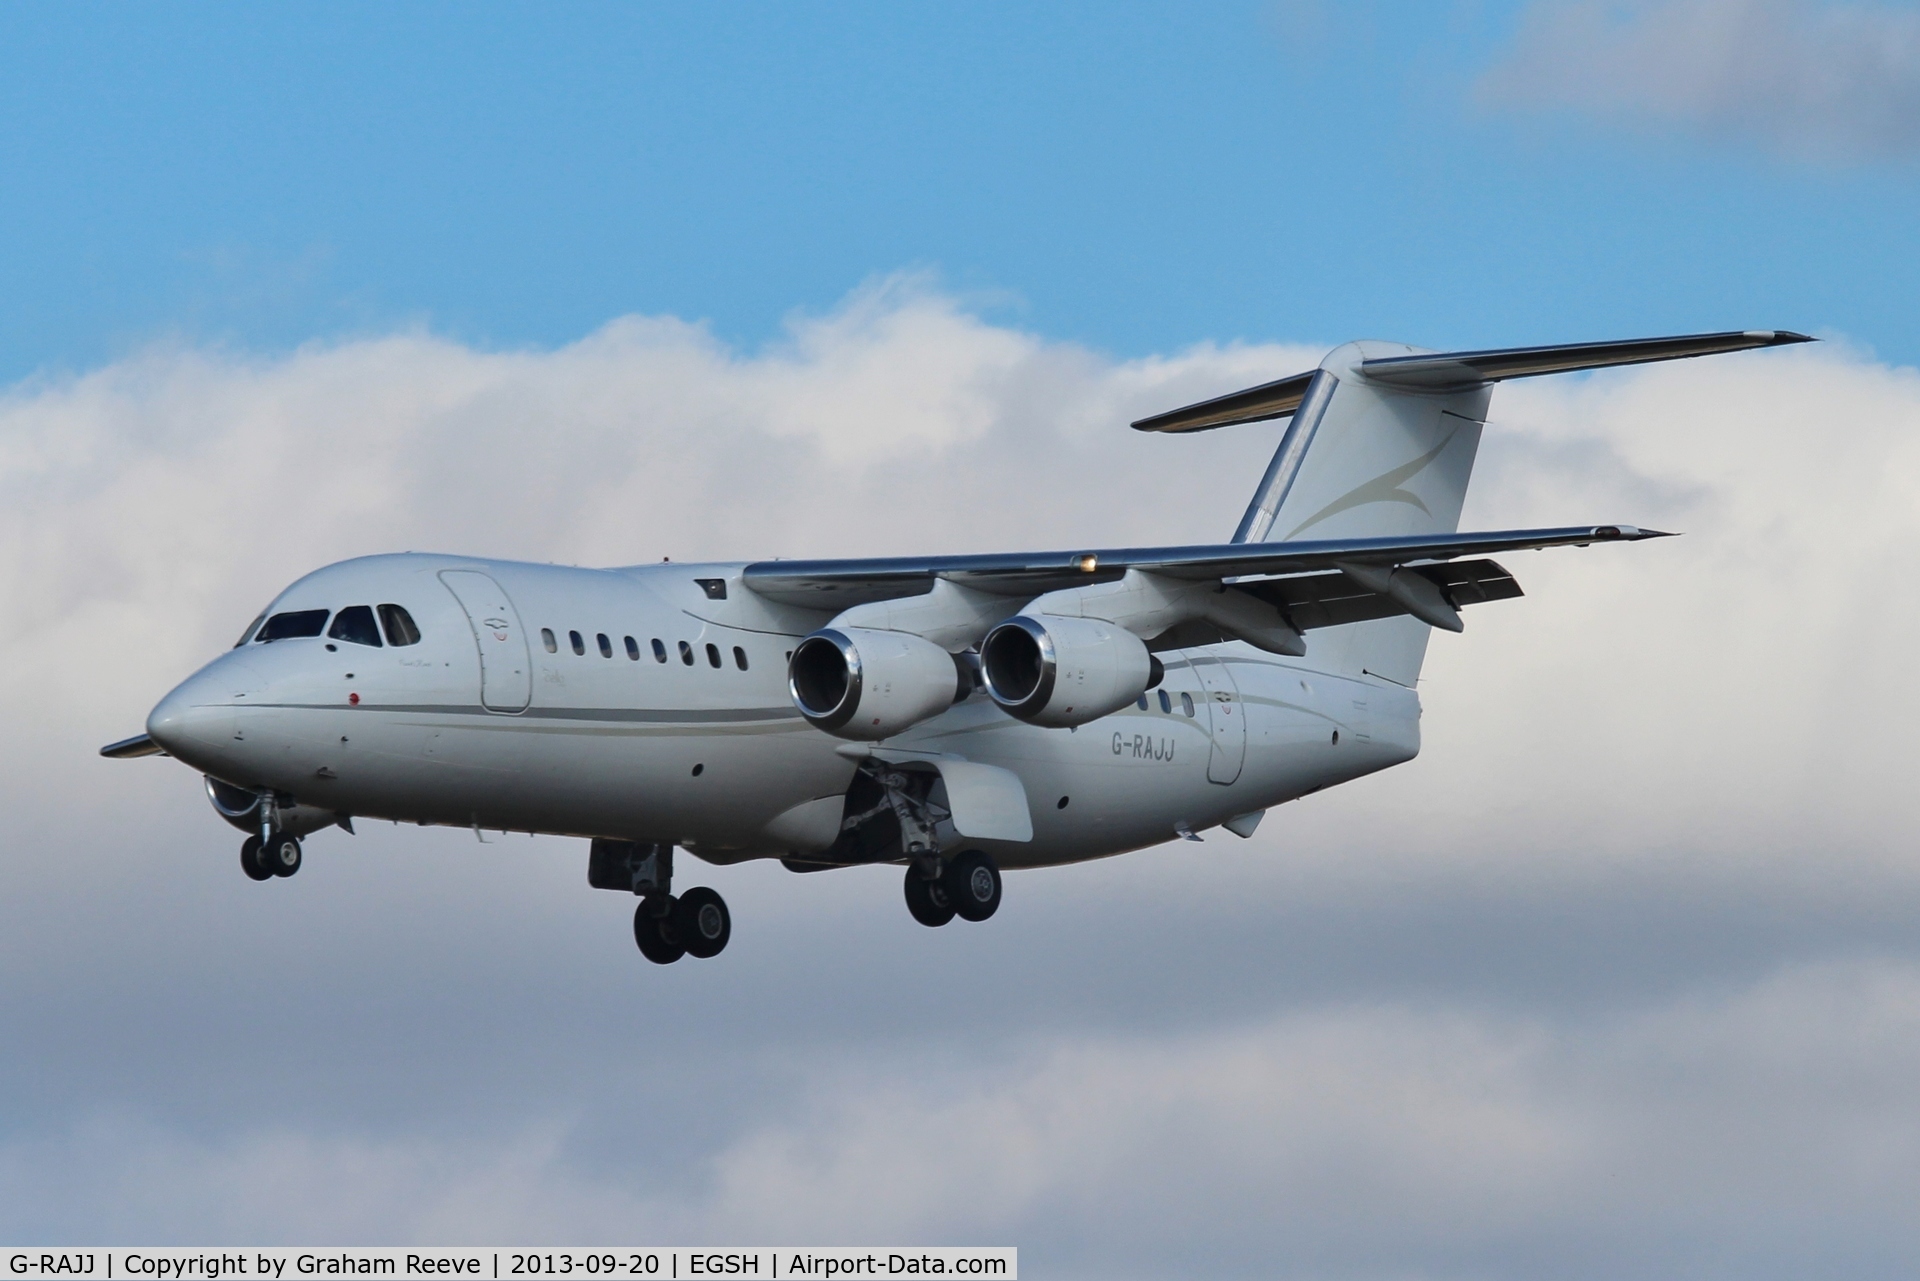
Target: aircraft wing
(129, 748)
(839, 584)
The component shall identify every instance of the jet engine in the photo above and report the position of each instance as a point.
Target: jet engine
(863, 683)
(241, 807)
(1057, 671)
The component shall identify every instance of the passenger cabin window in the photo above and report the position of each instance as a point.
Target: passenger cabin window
(294, 625)
(1142, 702)
(686, 653)
(740, 658)
(546, 638)
(1166, 704)
(606, 646)
(355, 624)
(1186, 704)
(713, 654)
(251, 628)
(399, 625)
(633, 649)
(659, 651)
(579, 646)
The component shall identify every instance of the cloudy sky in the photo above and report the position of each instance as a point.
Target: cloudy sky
(1621, 977)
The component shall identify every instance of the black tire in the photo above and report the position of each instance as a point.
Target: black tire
(703, 922)
(927, 900)
(972, 883)
(281, 855)
(658, 939)
(250, 860)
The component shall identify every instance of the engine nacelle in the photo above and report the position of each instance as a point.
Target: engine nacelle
(241, 807)
(861, 683)
(1057, 671)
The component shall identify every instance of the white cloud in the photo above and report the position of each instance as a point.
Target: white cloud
(432, 1041)
(1822, 81)
(1752, 1132)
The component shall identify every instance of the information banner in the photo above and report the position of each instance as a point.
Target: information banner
(649, 1263)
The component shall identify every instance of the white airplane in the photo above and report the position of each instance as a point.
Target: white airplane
(921, 711)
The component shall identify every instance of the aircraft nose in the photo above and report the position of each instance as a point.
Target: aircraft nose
(197, 717)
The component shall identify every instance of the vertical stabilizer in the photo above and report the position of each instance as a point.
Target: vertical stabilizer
(1361, 458)
(1381, 443)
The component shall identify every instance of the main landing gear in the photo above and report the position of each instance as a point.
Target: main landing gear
(967, 887)
(696, 924)
(666, 928)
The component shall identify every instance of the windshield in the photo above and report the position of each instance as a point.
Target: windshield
(300, 622)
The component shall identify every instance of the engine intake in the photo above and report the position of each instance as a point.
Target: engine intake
(1056, 671)
(862, 683)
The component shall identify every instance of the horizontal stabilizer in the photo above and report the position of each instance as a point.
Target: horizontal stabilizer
(1268, 400)
(1457, 370)
(1446, 371)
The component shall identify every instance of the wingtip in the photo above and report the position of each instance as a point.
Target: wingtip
(1781, 337)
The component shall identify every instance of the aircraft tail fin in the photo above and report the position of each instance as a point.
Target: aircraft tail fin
(1382, 444)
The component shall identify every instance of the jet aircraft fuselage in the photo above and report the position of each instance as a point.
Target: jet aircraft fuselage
(652, 703)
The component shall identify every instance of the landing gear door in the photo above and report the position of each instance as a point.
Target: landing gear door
(506, 665)
(1227, 719)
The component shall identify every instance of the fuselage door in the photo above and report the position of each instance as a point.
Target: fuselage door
(1227, 717)
(506, 665)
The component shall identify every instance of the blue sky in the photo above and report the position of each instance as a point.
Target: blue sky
(1135, 178)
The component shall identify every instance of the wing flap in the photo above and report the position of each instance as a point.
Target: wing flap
(1334, 599)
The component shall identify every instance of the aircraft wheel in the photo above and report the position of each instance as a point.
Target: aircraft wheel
(927, 900)
(972, 883)
(657, 936)
(250, 860)
(281, 855)
(703, 922)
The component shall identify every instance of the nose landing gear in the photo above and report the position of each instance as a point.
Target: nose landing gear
(268, 852)
(968, 887)
(278, 855)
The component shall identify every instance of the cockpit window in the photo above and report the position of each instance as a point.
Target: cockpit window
(355, 624)
(251, 628)
(291, 626)
(399, 625)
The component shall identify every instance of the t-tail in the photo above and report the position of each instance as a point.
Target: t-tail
(1380, 442)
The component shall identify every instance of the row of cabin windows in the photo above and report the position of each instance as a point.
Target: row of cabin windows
(1166, 704)
(354, 624)
(579, 645)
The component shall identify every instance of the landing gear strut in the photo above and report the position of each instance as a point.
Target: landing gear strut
(967, 887)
